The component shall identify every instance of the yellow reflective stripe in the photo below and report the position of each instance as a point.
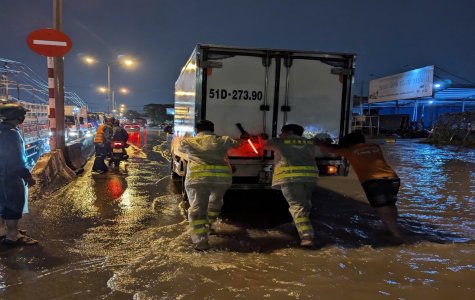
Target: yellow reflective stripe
(208, 174)
(200, 230)
(302, 220)
(209, 168)
(304, 228)
(199, 222)
(296, 168)
(280, 176)
(212, 213)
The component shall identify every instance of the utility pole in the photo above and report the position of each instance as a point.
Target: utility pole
(109, 104)
(59, 74)
(4, 78)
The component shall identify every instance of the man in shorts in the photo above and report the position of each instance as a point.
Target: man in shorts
(378, 179)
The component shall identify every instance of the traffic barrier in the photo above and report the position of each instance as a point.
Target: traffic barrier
(79, 152)
(50, 167)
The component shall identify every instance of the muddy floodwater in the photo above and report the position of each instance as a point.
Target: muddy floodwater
(121, 235)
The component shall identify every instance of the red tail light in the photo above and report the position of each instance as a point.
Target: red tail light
(118, 144)
(252, 146)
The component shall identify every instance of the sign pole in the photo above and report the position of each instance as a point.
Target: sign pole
(59, 74)
(52, 114)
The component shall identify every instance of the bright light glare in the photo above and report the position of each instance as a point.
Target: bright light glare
(437, 85)
(430, 102)
(102, 89)
(253, 148)
(128, 62)
(89, 60)
(124, 90)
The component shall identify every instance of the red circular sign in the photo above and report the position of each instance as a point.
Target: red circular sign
(49, 42)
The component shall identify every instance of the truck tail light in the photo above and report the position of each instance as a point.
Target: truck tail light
(253, 148)
(332, 170)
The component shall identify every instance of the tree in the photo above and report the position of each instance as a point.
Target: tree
(158, 112)
(132, 114)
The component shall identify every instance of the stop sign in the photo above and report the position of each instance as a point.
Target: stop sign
(49, 42)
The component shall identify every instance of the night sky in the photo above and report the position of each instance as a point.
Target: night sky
(386, 35)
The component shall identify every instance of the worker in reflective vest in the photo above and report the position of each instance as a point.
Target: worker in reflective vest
(295, 173)
(102, 142)
(208, 176)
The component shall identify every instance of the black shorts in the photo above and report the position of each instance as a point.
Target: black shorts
(381, 192)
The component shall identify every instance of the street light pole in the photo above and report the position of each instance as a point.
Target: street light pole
(113, 103)
(109, 87)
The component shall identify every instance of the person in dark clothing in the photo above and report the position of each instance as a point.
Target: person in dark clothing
(15, 178)
(119, 134)
(102, 143)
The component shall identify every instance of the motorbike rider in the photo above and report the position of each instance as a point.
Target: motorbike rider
(296, 173)
(102, 144)
(208, 177)
(120, 135)
(15, 178)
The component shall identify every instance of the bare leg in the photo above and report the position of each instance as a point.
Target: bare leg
(388, 215)
(12, 229)
(2, 226)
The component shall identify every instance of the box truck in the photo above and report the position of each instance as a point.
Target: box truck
(258, 91)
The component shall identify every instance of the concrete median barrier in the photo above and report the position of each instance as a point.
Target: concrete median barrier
(54, 169)
(50, 168)
(79, 152)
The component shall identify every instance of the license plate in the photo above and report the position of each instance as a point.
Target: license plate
(117, 150)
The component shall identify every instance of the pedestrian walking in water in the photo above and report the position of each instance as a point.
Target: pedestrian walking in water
(378, 179)
(15, 178)
(102, 144)
(295, 174)
(208, 176)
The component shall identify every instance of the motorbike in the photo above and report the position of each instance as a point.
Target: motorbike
(118, 153)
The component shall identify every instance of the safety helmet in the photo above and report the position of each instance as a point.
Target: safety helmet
(12, 111)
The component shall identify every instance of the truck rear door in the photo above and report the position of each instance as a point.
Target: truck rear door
(240, 89)
(311, 96)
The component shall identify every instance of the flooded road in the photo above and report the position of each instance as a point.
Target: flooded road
(121, 236)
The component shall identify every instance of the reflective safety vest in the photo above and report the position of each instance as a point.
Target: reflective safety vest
(294, 160)
(295, 173)
(212, 173)
(207, 158)
(100, 134)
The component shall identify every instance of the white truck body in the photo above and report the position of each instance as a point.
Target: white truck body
(262, 89)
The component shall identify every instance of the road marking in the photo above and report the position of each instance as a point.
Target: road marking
(49, 43)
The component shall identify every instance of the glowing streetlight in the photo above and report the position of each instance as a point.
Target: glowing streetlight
(89, 60)
(102, 89)
(124, 91)
(123, 60)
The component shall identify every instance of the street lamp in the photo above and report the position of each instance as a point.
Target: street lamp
(121, 90)
(123, 60)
